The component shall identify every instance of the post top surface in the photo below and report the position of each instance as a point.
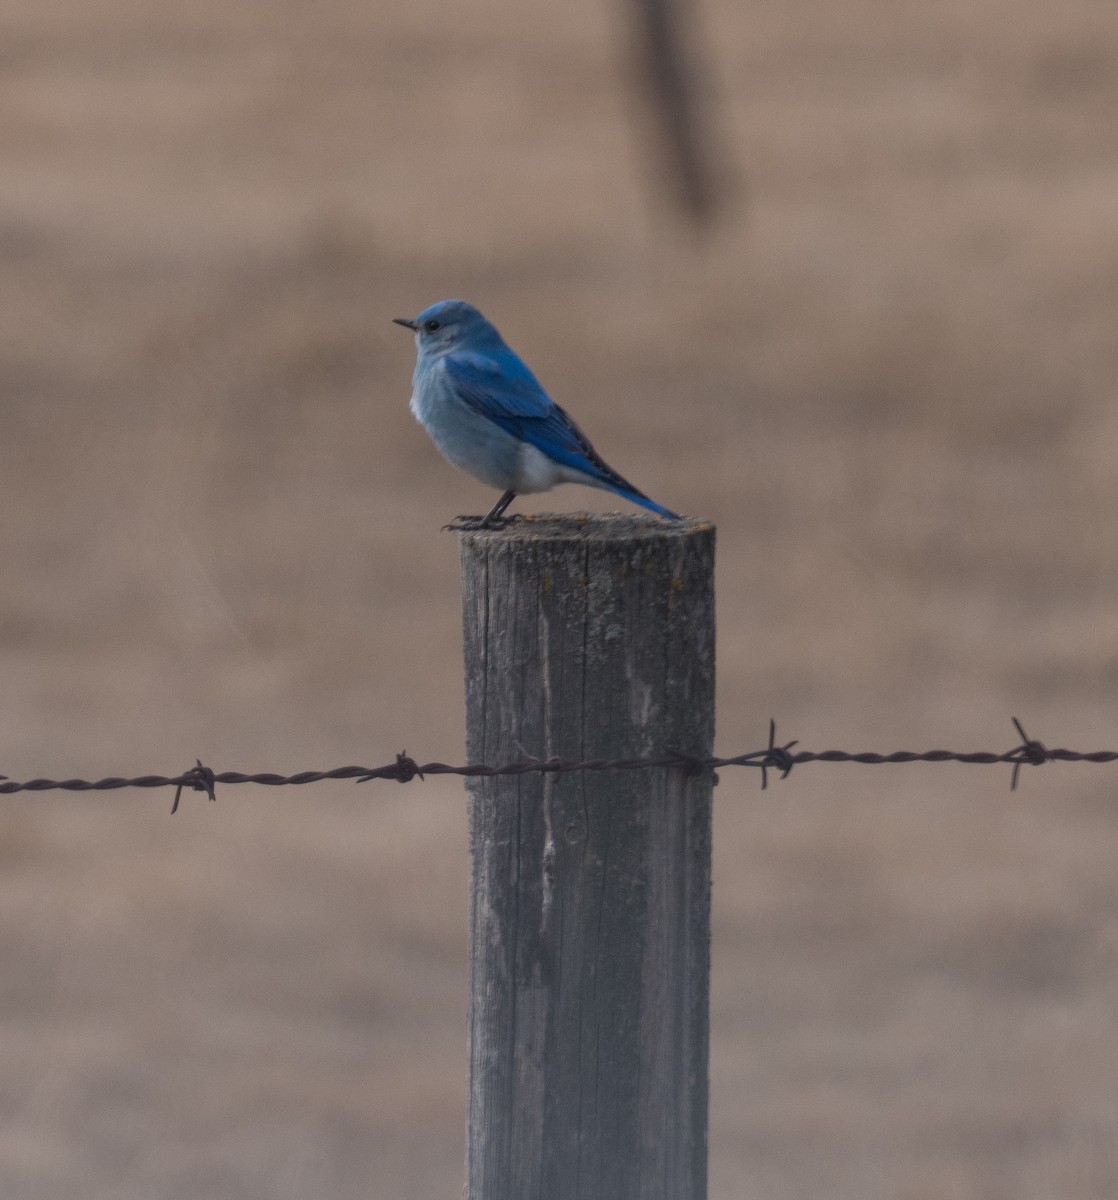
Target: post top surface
(588, 527)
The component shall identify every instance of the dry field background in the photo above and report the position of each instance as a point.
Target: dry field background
(889, 375)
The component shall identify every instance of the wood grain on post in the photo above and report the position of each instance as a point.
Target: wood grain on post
(589, 637)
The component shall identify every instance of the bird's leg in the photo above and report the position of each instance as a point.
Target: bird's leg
(492, 519)
(494, 514)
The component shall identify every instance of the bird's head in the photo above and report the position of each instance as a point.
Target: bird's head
(450, 325)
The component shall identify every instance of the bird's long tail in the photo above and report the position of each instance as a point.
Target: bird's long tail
(602, 475)
(641, 499)
(608, 479)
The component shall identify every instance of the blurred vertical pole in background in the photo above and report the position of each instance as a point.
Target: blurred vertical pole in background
(670, 74)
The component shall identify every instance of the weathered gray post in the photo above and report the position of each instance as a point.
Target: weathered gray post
(589, 637)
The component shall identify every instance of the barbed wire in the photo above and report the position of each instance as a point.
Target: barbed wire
(773, 757)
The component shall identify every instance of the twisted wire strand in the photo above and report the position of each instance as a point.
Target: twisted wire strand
(404, 769)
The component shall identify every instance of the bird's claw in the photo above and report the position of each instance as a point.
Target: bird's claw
(471, 524)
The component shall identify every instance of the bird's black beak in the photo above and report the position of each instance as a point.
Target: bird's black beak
(405, 322)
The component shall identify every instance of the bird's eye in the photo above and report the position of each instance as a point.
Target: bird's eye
(431, 326)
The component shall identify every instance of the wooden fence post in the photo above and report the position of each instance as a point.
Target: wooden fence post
(589, 637)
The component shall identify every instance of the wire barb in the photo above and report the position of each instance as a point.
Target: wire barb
(407, 769)
(777, 757)
(200, 778)
(1030, 751)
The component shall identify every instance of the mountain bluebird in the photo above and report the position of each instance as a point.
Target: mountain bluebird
(487, 413)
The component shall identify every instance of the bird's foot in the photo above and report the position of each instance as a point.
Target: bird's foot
(467, 524)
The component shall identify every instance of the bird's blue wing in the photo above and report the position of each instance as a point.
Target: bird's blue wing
(503, 389)
(500, 387)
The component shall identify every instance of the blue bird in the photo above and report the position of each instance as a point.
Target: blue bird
(487, 413)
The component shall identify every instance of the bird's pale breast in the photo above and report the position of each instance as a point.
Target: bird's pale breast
(461, 434)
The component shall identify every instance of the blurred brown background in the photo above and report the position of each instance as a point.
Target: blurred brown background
(888, 373)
